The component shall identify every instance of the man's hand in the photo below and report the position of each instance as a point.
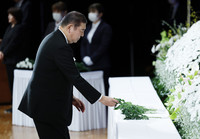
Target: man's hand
(1, 55)
(78, 104)
(108, 101)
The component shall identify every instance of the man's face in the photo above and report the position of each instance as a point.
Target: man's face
(77, 32)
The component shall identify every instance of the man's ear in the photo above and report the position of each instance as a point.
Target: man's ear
(69, 27)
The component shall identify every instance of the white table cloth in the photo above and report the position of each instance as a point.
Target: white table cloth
(94, 116)
(139, 91)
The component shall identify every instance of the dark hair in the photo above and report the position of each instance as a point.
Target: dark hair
(61, 6)
(96, 6)
(16, 12)
(73, 17)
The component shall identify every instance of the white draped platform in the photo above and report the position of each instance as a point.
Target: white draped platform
(139, 91)
(94, 116)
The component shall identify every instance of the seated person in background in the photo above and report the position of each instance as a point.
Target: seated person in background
(12, 46)
(95, 44)
(58, 12)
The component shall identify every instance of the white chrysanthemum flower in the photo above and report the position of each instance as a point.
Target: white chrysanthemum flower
(153, 49)
(27, 59)
(18, 65)
(25, 64)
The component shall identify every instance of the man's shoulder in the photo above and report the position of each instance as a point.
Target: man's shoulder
(54, 35)
(55, 38)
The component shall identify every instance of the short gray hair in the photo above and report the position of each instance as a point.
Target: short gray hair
(73, 17)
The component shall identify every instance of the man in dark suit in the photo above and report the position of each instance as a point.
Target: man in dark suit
(96, 43)
(49, 96)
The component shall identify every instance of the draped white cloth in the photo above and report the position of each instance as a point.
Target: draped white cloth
(94, 116)
(139, 91)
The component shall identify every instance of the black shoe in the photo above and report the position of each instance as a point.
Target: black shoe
(8, 110)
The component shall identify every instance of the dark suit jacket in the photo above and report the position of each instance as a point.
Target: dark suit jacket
(13, 45)
(98, 50)
(48, 96)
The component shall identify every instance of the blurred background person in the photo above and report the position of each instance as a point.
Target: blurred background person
(59, 10)
(12, 48)
(174, 6)
(95, 44)
(30, 23)
(3, 14)
(26, 8)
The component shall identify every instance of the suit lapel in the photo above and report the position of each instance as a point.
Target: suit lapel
(96, 33)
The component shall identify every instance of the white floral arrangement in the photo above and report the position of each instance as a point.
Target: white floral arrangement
(184, 103)
(179, 72)
(25, 64)
(167, 78)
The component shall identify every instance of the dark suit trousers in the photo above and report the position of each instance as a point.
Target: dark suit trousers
(51, 130)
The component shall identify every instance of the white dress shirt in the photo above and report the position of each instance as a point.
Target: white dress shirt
(63, 34)
(92, 31)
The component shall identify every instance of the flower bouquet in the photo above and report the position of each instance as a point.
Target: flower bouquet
(133, 112)
(27, 64)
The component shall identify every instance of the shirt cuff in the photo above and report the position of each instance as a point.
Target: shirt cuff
(100, 97)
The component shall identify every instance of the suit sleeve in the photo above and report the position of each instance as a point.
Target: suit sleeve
(64, 61)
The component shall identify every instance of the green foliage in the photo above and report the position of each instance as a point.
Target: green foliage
(175, 29)
(81, 67)
(160, 88)
(164, 36)
(174, 114)
(194, 16)
(132, 112)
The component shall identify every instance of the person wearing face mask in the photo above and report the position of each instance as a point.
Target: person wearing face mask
(95, 44)
(58, 12)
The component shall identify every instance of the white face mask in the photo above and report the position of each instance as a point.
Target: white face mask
(57, 17)
(93, 17)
